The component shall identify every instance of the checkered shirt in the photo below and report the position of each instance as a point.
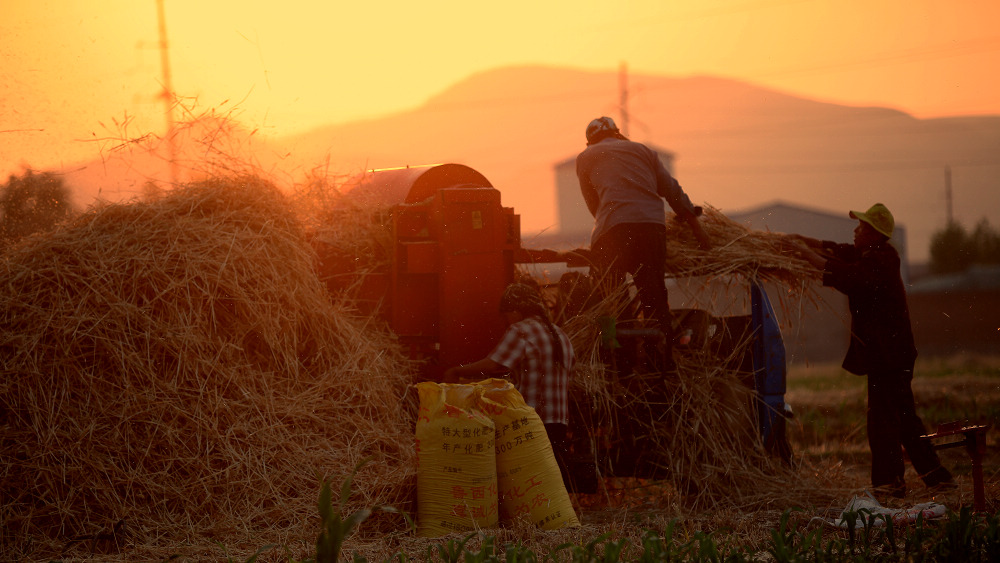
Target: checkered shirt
(526, 350)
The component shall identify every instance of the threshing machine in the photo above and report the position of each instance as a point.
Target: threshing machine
(455, 247)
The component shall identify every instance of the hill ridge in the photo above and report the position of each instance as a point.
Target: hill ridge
(736, 144)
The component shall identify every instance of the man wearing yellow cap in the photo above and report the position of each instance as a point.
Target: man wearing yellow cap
(881, 345)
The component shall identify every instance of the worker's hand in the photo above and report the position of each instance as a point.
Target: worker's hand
(802, 249)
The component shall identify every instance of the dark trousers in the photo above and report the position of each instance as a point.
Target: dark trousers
(893, 425)
(578, 470)
(639, 249)
(560, 446)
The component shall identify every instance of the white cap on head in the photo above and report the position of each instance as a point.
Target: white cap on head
(600, 128)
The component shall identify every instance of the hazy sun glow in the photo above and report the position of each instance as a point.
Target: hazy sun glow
(72, 68)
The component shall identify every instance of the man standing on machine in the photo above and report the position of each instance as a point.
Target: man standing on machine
(624, 184)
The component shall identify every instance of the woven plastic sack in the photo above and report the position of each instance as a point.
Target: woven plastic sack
(530, 483)
(456, 474)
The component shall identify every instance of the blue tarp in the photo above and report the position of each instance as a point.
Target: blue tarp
(768, 363)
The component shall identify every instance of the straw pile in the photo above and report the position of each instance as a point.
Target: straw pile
(176, 365)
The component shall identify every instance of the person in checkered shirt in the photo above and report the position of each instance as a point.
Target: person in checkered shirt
(539, 358)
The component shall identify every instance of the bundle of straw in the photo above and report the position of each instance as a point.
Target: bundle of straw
(176, 364)
(736, 250)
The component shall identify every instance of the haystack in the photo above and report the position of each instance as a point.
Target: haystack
(176, 366)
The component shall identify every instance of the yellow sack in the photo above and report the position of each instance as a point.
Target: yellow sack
(527, 472)
(456, 473)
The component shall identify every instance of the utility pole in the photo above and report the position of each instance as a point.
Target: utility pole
(168, 91)
(623, 93)
(947, 193)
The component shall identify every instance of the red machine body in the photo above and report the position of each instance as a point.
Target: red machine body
(453, 248)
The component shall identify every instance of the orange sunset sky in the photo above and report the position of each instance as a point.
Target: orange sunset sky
(71, 69)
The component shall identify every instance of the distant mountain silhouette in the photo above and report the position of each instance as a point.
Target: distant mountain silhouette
(736, 145)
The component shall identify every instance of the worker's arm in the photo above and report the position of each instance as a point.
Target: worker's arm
(805, 251)
(475, 370)
(812, 243)
(699, 232)
(816, 251)
(670, 189)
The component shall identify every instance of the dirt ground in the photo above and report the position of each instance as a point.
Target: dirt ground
(958, 389)
(964, 390)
